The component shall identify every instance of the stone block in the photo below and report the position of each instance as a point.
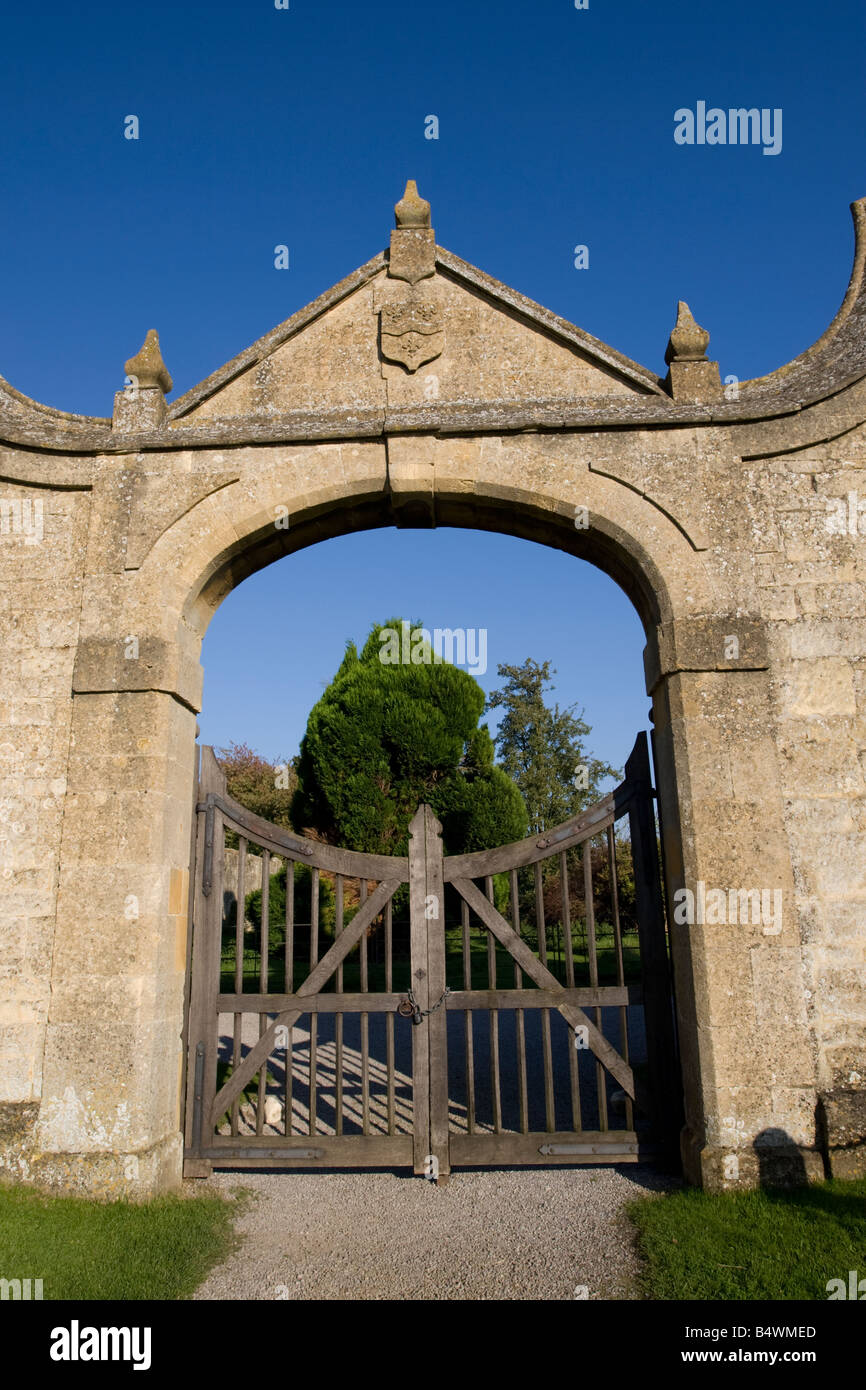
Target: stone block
(818, 688)
(842, 1124)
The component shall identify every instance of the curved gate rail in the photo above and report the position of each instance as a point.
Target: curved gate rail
(274, 1077)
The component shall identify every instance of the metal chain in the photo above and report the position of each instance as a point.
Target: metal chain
(424, 1013)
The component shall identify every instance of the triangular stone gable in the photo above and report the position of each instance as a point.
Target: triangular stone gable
(418, 339)
(469, 339)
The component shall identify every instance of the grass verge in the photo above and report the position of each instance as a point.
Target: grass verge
(83, 1249)
(768, 1245)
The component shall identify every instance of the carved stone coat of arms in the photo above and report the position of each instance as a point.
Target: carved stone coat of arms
(412, 332)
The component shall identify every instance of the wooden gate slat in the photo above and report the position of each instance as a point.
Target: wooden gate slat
(437, 1022)
(543, 1148)
(211, 950)
(468, 1023)
(318, 1003)
(202, 1019)
(546, 1052)
(520, 999)
(275, 838)
(240, 918)
(389, 1017)
(420, 988)
(620, 963)
(207, 946)
(493, 1017)
(592, 946)
(522, 1090)
(313, 983)
(524, 852)
(365, 1032)
(187, 1070)
(322, 1151)
(314, 1022)
(338, 1022)
(263, 981)
(290, 985)
(573, 1079)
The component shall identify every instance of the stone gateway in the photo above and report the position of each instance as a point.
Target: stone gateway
(420, 392)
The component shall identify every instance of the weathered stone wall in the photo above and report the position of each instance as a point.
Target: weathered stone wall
(718, 517)
(42, 555)
(813, 589)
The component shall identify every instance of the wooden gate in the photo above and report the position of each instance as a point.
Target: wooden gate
(337, 1016)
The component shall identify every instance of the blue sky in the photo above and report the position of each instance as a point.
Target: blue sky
(261, 126)
(447, 578)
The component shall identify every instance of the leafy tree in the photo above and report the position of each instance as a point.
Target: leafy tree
(603, 911)
(542, 747)
(601, 880)
(263, 787)
(384, 737)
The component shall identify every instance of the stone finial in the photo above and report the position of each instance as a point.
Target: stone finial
(691, 377)
(688, 341)
(413, 241)
(141, 403)
(412, 210)
(147, 368)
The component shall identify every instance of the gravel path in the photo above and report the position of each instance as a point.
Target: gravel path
(503, 1234)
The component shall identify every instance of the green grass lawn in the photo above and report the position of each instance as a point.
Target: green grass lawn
(607, 968)
(770, 1244)
(83, 1249)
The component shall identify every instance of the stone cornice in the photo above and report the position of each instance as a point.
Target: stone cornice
(834, 363)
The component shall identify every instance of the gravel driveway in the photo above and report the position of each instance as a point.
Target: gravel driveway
(550, 1233)
(492, 1234)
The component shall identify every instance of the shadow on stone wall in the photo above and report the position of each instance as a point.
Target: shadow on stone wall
(780, 1161)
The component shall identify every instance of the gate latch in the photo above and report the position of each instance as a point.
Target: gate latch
(410, 1008)
(407, 1008)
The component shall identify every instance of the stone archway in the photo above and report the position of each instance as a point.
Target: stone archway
(420, 393)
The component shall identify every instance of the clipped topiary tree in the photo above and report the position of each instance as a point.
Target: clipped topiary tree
(387, 735)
